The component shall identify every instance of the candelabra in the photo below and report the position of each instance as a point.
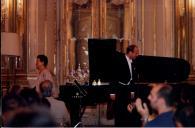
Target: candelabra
(80, 74)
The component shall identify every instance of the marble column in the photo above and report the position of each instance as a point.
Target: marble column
(127, 24)
(193, 38)
(68, 42)
(95, 19)
(103, 19)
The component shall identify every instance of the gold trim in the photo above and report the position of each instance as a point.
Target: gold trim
(142, 4)
(45, 48)
(154, 27)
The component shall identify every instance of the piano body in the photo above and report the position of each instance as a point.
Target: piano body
(149, 69)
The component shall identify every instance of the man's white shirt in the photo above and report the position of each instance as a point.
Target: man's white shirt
(130, 65)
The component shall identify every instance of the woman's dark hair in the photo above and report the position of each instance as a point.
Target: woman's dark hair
(43, 59)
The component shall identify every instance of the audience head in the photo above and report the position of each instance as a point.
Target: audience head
(41, 62)
(160, 97)
(15, 89)
(32, 117)
(46, 88)
(185, 116)
(10, 103)
(186, 96)
(30, 96)
(132, 51)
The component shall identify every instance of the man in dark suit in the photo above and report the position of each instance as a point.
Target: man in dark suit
(125, 75)
(124, 65)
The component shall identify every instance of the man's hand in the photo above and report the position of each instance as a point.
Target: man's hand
(142, 109)
(130, 107)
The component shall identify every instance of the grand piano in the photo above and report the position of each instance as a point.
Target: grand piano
(149, 69)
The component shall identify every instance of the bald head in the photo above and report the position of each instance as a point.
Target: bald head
(161, 95)
(166, 92)
(46, 88)
(132, 51)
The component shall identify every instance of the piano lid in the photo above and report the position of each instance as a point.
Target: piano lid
(102, 55)
(161, 69)
(101, 58)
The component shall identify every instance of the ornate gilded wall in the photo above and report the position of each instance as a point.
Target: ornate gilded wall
(60, 29)
(41, 34)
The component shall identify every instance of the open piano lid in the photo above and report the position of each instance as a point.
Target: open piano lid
(101, 58)
(148, 68)
(161, 69)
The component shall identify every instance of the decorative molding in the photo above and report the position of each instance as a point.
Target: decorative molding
(154, 27)
(184, 31)
(118, 2)
(32, 36)
(137, 28)
(80, 2)
(95, 19)
(103, 18)
(142, 22)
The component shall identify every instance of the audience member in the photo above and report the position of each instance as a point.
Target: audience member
(30, 96)
(185, 116)
(44, 74)
(32, 117)
(10, 103)
(161, 101)
(57, 107)
(15, 89)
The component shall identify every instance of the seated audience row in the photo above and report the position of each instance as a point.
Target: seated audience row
(26, 108)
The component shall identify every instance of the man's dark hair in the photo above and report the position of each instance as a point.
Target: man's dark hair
(46, 88)
(131, 48)
(43, 59)
(166, 92)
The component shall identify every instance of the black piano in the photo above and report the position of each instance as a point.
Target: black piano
(149, 69)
